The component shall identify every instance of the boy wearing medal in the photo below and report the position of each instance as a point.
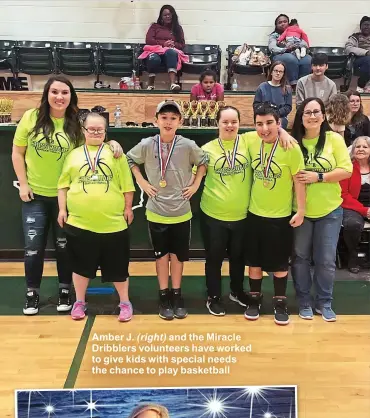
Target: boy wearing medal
(98, 191)
(270, 223)
(168, 161)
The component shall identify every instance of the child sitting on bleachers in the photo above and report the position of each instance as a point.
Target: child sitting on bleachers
(207, 88)
(293, 34)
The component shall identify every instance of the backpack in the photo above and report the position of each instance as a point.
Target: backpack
(242, 55)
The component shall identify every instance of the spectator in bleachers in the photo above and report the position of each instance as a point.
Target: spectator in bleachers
(359, 44)
(356, 199)
(359, 124)
(284, 51)
(276, 90)
(327, 163)
(207, 88)
(338, 113)
(293, 34)
(167, 32)
(316, 84)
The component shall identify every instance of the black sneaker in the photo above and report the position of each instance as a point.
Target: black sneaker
(178, 304)
(252, 311)
(215, 306)
(31, 306)
(64, 300)
(240, 297)
(281, 311)
(165, 306)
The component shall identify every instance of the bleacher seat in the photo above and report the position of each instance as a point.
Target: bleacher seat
(350, 71)
(337, 67)
(7, 56)
(35, 57)
(201, 58)
(233, 68)
(116, 59)
(76, 58)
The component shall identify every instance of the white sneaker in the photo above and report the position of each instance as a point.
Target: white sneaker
(298, 53)
(360, 90)
(150, 87)
(175, 87)
(303, 52)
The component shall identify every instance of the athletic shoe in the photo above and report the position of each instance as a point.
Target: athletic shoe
(165, 307)
(298, 53)
(303, 52)
(327, 313)
(175, 87)
(78, 310)
(254, 305)
(150, 88)
(125, 311)
(215, 306)
(178, 304)
(305, 312)
(101, 85)
(64, 300)
(360, 90)
(281, 311)
(241, 298)
(31, 306)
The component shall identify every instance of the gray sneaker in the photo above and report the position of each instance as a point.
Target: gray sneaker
(327, 313)
(178, 304)
(305, 312)
(165, 306)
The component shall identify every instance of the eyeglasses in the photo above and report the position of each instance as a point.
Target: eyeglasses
(93, 131)
(309, 113)
(355, 101)
(278, 71)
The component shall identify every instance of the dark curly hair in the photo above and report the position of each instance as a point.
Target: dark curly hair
(175, 21)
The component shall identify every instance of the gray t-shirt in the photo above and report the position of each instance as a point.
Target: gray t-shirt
(308, 87)
(186, 153)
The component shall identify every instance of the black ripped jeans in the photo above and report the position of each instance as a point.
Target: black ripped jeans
(37, 216)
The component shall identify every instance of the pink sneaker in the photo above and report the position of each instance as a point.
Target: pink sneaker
(126, 312)
(78, 310)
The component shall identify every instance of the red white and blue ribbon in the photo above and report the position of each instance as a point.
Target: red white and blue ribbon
(94, 164)
(230, 158)
(266, 167)
(163, 163)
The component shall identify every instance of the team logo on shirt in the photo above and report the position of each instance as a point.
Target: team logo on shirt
(223, 169)
(104, 175)
(51, 145)
(274, 171)
(317, 163)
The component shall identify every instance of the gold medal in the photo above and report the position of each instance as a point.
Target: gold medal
(266, 183)
(162, 183)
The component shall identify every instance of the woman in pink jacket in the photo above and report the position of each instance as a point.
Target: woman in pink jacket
(167, 32)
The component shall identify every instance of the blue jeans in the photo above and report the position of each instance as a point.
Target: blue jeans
(37, 216)
(362, 65)
(284, 122)
(316, 240)
(295, 68)
(168, 59)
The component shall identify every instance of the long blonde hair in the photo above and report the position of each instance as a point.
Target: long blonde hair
(353, 146)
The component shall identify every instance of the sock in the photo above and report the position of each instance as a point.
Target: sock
(64, 286)
(125, 303)
(164, 293)
(280, 284)
(176, 291)
(255, 285)
(31, 289)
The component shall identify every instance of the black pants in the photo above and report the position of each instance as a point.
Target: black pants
(353, 225)
(221, 238)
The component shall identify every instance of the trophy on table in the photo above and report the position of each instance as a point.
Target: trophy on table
(212, 111)
(194, 110)
(221, 104)
(186, 110)
(204, 107)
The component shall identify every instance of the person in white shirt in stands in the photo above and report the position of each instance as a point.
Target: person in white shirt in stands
(316, 84)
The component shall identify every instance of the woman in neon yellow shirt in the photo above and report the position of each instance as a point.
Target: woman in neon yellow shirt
(327, 162)
(43, 139)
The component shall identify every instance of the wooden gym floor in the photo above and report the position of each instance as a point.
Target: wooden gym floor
(330, 362)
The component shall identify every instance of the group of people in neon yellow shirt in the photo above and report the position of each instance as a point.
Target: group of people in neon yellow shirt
(265, 194)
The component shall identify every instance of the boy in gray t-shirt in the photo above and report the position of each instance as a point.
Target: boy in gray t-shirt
(168, 161)
(316, 84)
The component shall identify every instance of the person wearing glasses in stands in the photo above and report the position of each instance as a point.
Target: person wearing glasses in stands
(276, 90)
(327, 162)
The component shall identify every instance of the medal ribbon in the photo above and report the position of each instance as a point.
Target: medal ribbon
(230, 161)
(164, 164)
(269, 158)
(96, 159)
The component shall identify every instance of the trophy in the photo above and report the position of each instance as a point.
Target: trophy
(194, 110)
(204, 106)
(186, 110)
(212, 111)
(221, 104)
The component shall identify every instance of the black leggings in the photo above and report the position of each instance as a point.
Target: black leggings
(223, 238)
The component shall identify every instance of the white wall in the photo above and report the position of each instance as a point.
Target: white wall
(328, 23)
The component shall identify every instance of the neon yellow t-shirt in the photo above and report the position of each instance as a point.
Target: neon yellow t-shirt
(275, 200)
(168, 220)
(44, 160)
(323, 198)
(227, 190)
(96, 205)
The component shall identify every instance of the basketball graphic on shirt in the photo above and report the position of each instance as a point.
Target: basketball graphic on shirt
(222, 168)
(59, 144)
(104, 175)
(273, 174)
(318, 163)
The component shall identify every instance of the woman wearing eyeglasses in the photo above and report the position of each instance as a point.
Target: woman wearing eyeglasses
(276, 90)
(43, 139)
(359, 124)
(327, 162)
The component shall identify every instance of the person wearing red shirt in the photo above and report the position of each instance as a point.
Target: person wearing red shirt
(167, 32)
(356, 199)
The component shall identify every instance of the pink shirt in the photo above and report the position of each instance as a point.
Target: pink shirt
(200, 94)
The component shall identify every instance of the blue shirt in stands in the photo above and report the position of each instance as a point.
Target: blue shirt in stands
(273, 94)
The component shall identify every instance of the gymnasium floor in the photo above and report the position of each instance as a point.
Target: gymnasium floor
(330, 363)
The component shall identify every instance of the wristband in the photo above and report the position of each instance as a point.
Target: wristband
(320, 177)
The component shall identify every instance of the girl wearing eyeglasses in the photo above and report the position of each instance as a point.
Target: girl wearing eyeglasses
(327, 162)
(43, 139)
(276, 90)
(98, 191)
(359, 124)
